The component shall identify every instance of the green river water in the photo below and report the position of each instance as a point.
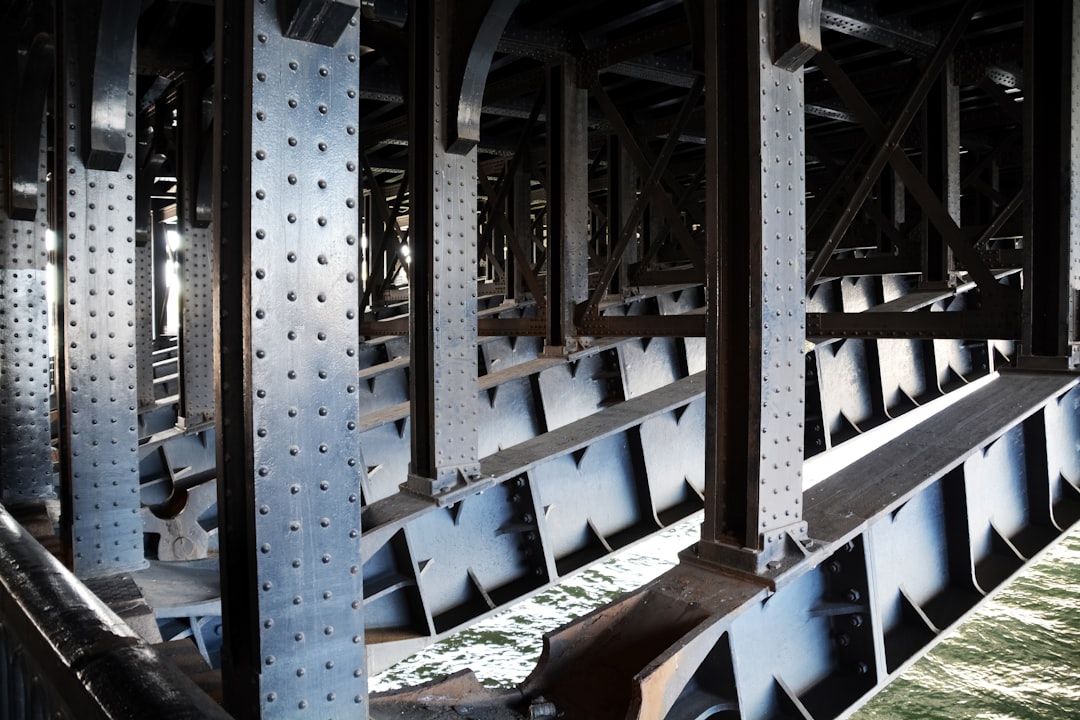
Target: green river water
(1017, 658)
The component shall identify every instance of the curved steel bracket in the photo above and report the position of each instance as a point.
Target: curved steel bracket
(113, 53)
(204, 189)
(26, 140)
(796, 33)
(481, 29)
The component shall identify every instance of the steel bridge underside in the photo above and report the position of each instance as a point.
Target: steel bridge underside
(329, 329)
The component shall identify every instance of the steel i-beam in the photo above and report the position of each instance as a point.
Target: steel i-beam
(568, 211)
(520, 218)
(97, 356)
(942, 166)
(442, 296)
(756, 239)
(196, 267)
(289, 462)
(622, 188)
(903, 549)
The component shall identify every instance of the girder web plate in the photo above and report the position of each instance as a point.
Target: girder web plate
(528, 419)
(904, 547)
(562, 458)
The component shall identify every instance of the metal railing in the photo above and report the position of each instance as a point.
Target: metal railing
(65, 654)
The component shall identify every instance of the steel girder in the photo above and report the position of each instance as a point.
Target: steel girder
(755, 319)
(196, 261)
(95, 228)
(705, 684)
(605, 418)
(568, 456)
(442, 292)
(891, 564)
(418, 590)
(287, 231)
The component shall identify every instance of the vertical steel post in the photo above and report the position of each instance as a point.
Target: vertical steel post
(898, 201)
(144, 323)
(654, 225)
(287, 241)
(756, 244)
(1052, 189)
(26, 473)
(941, 159)
(159, 239)
(568, 207)
(519, 201)
(97, 339)
(622, 190)
(891, 203)
(378, 258)
(442, 294)
(196, 269)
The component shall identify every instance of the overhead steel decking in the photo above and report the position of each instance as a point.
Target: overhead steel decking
(329, 328)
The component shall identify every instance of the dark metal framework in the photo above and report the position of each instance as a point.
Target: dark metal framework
(470, 295)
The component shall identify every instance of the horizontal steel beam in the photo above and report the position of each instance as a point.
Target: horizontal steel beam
(964, 324)
(861, 21)
(574, 465)
(902, 548)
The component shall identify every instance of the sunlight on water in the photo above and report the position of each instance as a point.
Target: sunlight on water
(504, 649)
(1018, 658)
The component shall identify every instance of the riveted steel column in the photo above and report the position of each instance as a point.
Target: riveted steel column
(1052, 189)
(442, 294)
(25, 441)
(756, 243)
(196, 326)
(97, 354)
(942, 166)
(196, 270)
(160, 254)
(144, 323)
(568, 208)
(287, 235)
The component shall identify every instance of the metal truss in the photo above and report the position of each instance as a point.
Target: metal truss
(473, 295)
